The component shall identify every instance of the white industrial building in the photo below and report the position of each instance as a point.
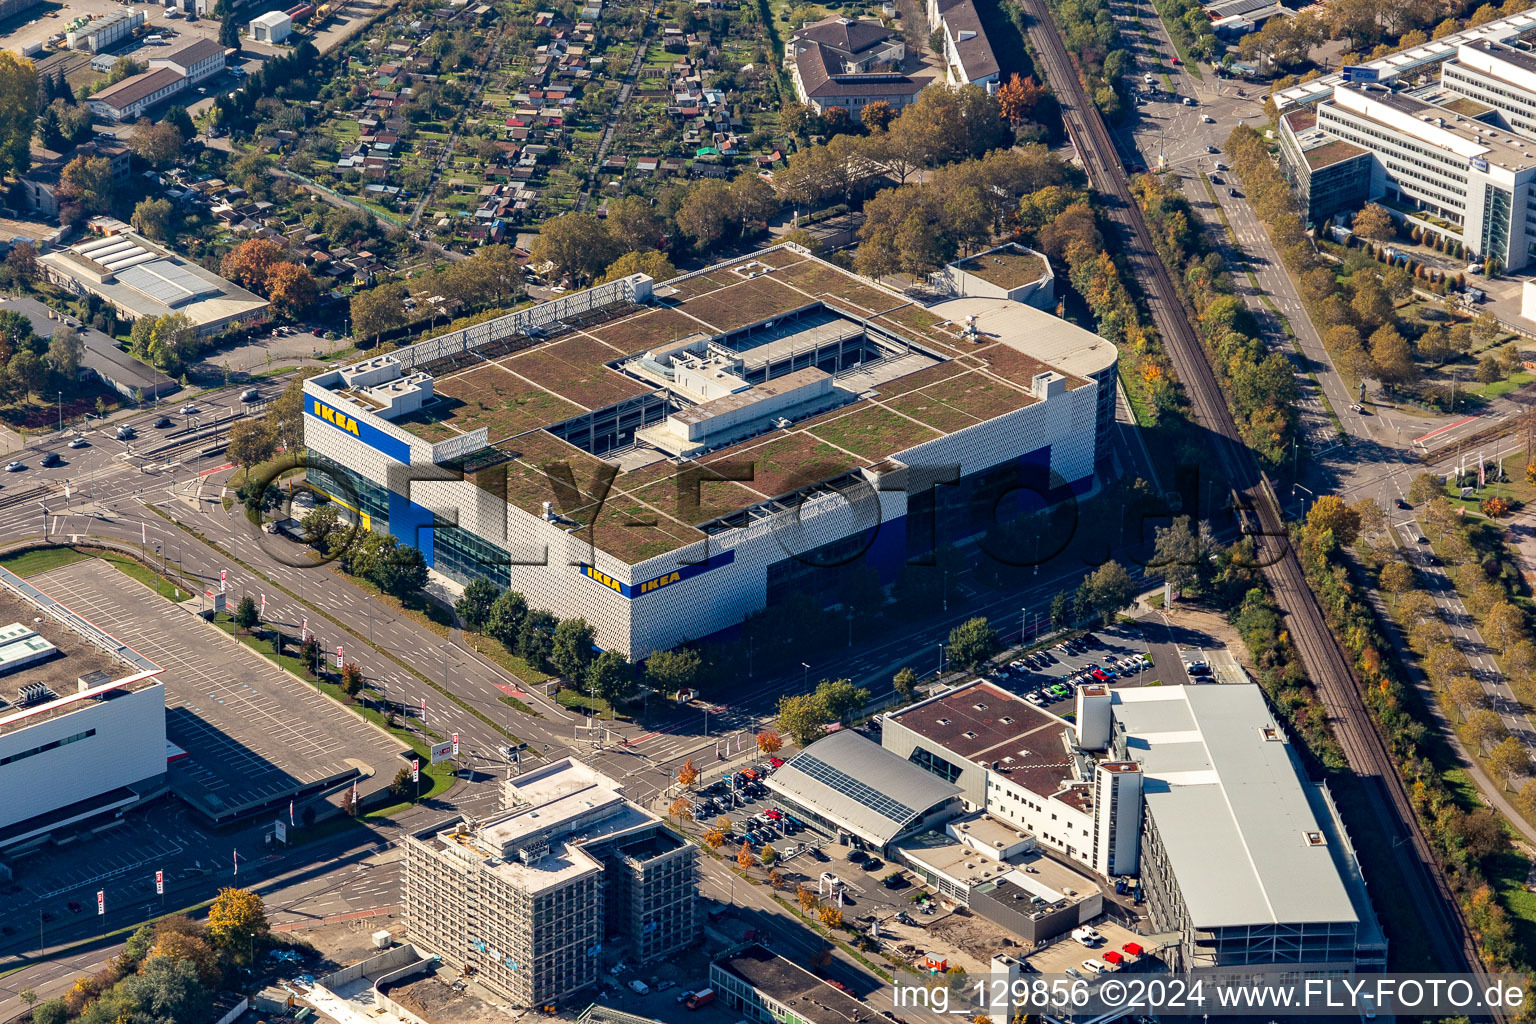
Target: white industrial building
(774, 406)
(200, 59)
(141, 278)
(80, 755)
(105, 32)
(1196, 790)
(273, 27)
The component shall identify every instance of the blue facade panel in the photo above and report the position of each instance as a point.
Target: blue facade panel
(411, 524)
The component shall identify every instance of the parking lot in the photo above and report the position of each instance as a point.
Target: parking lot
(253, 734)
(1120, 654)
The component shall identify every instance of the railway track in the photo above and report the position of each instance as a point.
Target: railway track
(1445, 928)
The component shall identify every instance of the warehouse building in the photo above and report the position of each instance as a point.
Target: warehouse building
(665, 460)
(82, 736)
(140, 278)
(1241, 854)
(525, 897)
(273, 27)
(130, 98)
(105, 32)
(849, 786)
(1195, 789)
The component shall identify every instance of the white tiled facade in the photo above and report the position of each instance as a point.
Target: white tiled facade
(400, 478)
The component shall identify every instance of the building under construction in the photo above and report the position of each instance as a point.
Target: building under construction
(526, 899)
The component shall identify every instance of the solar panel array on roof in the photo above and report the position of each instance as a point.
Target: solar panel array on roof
(883, 805)
(167, 282)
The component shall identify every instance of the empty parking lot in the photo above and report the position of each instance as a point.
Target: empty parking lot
(255, 735)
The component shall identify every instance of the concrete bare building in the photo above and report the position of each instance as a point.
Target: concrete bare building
(526, 896)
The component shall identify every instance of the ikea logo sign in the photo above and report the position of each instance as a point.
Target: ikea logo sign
(364, 431)
(666, 579)
(337, 419)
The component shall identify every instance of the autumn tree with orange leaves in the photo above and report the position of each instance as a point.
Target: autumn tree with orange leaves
(688, 774)
(1017, 97)
(744, 858)
(769, 741)
(250, 264)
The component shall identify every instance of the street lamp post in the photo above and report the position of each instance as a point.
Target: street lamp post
(941, 658)
(805, 676)
(61, 412)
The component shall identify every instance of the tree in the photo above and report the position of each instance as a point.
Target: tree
(1374, 222)
(27, 369)
(292, 289)
(246, 613)
(688, 773)
(378, 309)
(250, 264)
(576, 243)
(806, 898)
(1509, 760)
(152, 218)
(1503, 626)
(904, 682)
(1181, 555)
(1395, 577)
(972, 643)
(804, 718)
(402, 570)
(1329, 512)
(86, 182)
(680, 810)
(703, 214)
(1525, 800)
(1424, 487)
(714, 838)
(877, 116)
(1466, 693)
(830, 917)
(634, 225)
(752, 200)
(571, 651)
(229, 31)
(839, 698)
(651, 263)
(168, 990)
(609, 677)
(1393, 359)
(53, 1011)
(744, 859)
(18, 113)
(351, 679)
(1016, 98)
(769, 741)
(504, 622)
(767, 855)
(402, 785)
(64, 351)
(1482, 726)
(348, 797)
(775, 879)
(1105, 591)
(156, 144)
(252, 442)
(674, 670)
(237, 920)
(474, 607)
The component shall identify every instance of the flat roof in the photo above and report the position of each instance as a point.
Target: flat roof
(105, 675)
(147, 279)
(859, 783)
(558, 809)
(948, 384)
(983, 723)
(1007, 266)
(1231, 806)
(1510, 26)
(809, 998)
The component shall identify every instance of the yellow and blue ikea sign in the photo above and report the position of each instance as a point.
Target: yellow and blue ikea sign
(365, 432)
(655, 583)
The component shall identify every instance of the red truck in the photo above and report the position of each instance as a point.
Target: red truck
(703, 997)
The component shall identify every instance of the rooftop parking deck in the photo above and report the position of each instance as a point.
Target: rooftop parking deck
(911, 377)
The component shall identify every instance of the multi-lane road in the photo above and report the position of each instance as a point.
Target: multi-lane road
(1326, 664)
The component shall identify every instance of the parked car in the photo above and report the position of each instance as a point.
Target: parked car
(639, 987)
(1095, 967)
